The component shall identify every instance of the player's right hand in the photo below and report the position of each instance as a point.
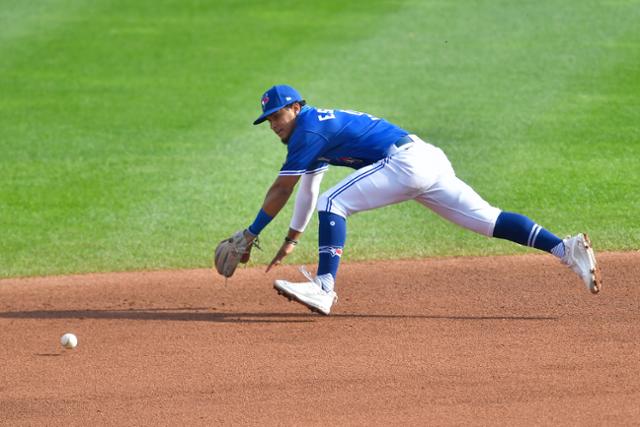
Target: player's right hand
(284, 250)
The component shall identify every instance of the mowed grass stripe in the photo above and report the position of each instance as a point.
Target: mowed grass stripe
(138, 150)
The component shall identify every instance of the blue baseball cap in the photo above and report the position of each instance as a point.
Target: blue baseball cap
(276, 98)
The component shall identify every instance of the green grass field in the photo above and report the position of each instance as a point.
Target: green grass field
(126, 140)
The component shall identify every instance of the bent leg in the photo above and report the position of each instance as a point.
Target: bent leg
(370, 187)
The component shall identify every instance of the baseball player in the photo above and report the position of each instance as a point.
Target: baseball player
(391, 166)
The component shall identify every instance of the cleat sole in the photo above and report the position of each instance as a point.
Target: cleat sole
(283, 294)
(596, 276)
(292, 297)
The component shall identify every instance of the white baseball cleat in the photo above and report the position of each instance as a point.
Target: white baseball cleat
(309, 294)
(579, 256)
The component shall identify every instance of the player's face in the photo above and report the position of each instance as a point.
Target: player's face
(283, 121)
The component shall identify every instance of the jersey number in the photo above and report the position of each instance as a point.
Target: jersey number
(325, 114)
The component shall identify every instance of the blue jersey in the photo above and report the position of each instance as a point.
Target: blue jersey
(337, 137)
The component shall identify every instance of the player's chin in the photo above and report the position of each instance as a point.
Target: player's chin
(283, 139)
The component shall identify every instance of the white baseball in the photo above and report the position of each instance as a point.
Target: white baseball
(69, 340)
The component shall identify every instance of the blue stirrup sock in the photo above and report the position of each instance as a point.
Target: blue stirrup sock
(520, 229)
(332, 233)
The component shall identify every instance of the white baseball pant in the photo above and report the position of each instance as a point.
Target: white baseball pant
(418, 171)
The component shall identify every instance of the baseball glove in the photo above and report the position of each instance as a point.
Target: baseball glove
(232, 251)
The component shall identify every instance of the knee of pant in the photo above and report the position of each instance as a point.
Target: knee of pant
(327, 204)
(491, 215)
(322, 202)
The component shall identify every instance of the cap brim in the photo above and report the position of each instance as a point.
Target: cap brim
(266, 114)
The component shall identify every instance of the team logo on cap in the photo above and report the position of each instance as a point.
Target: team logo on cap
(265, 101)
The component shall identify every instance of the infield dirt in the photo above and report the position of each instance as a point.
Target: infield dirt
(512, 340)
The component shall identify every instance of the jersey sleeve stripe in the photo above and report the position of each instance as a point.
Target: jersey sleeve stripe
(298, 172)
(320, 169)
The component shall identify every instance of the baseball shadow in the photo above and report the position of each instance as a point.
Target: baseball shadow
(192, 314)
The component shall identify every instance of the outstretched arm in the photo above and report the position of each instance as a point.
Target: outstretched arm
(276, 198)
(237, 249)
(279, 194)
(306, 199)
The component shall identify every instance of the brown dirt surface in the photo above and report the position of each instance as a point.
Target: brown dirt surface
(511, 340)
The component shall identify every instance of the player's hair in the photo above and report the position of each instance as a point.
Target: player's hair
(301, 102)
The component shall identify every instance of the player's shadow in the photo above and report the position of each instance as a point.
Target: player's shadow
(162, 314)
(202, 314)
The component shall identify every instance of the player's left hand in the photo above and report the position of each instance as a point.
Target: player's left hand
(285, 249)
(236, 249)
